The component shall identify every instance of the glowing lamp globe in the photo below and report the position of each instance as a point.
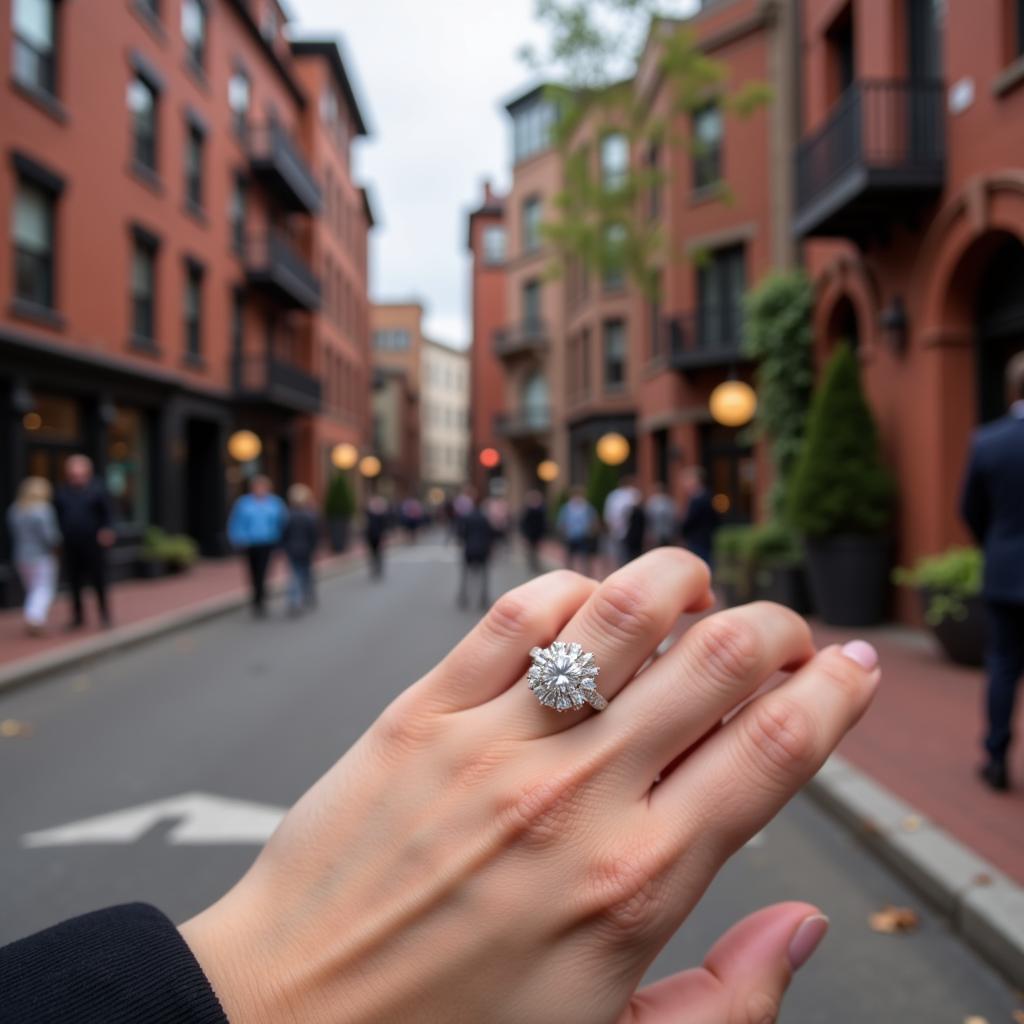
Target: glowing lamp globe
(344, 455)
(435, 495)
(244, 446)
(733, 403)
(612, 449)
(369, 466)
(490, 458)
(547, 470)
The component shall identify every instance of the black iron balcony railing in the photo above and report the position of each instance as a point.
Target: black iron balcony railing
(262, 377)
(276, 161)
(707, 338)
(884, 144)
(515, 339)
(271, 262)
(530, 421)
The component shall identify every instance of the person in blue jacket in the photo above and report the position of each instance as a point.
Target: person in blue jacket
(255, 526)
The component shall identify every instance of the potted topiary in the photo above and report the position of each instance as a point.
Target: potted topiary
(163, 552)
(731, 563)
(339, 507)
(841, 498)
(949, 588)
(777, 567)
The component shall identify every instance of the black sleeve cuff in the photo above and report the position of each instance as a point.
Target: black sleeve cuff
(115, 966)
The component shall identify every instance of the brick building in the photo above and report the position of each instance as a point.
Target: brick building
(176, 180)
(444, 416)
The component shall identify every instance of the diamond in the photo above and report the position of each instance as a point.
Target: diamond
(563, 675)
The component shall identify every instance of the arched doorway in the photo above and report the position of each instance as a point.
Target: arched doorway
(843, 324)
(999, 322)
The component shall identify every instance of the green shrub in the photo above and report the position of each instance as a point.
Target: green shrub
(602, 479)
(952, 577)
(340, 502)
(175, 549)
(840, 484)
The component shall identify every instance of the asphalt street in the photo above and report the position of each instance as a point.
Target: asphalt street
(255, 711)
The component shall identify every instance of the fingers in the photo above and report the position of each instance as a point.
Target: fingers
(745, 975)
(622, 622)
(715, 666)
(734, 783)
(497, 651)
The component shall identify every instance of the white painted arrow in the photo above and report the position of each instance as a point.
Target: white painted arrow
(203, 820)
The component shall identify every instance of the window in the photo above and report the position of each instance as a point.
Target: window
(534, 401)
(239, 204)
(391, 340)
(270, 24)
(34, 61)
(654, 327)
(585, 363)
(127, 469)
(494, 244)
(193, 29)
(614, 355)
(531, 305)
(194, 165)
(613, 259)
(531, 128)
(328, 106)
(33, 237)
(150, 7)
(193, 309)
(142, 102)
(531, 224)
(707, 146)
(653, 181)
(239, 98)
(842, 61)
(144, 287)
(720, 285)
(614, 161)
(1017, 34)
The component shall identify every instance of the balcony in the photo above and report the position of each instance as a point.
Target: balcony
(263, 379)
(272, 263)
(275, 161)
(520, 339)
(880, 154)
(699, 341)
(529, 423)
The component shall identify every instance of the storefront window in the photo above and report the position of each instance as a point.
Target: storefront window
(128, 466)
(53, 418)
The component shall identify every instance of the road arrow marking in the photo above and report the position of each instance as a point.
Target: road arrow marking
(202, 820)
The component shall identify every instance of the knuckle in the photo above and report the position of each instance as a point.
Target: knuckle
(624, 610)
(401, 729)
(625, 891)
(541, 812)
(782, 737)
(755, 1008)
(510, 617)
(728, 647)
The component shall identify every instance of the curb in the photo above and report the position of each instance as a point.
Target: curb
(984, 907)
(26, 670)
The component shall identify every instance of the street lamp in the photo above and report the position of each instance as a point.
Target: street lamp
(344, 455)
(733, 403)
(369, 466)
(244, 446)
(490, 458)
(612, 449)
(547, 470)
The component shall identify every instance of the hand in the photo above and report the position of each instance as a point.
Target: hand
(476, 857)
(106, 537)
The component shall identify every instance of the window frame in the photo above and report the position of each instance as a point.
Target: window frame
(614, 386)
(707, 166)
(197, 58)
(144, 241)
(50, 60)
(192, 318)
(145, 150)
(529, 243)
(240, 117)
(614, 178)
(31, 176)
(720, 321)
(195, 177)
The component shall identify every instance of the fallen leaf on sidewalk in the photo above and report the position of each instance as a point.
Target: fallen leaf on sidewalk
(12, 727)
(890, 920)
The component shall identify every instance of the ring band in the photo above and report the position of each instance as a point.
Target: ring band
(564, 676)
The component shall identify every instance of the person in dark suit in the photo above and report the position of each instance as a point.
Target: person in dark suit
(478, 537)
(701, 520)
(993, 508)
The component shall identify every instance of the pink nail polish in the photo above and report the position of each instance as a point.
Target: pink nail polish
(806, 940)
(861, 652)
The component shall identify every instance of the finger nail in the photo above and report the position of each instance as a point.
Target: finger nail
(806, 940)
(861, 652)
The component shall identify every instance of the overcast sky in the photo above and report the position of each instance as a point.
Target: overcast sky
(431, 78)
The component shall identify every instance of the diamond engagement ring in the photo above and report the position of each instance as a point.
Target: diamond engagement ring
(563, 676)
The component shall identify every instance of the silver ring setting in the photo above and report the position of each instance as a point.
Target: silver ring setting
(564, 677)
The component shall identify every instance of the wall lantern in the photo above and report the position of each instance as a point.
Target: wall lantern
(490, 458)
(893, 321)
(733, 403)
(369, 466)
(612, 449)
(344, 455)
(547, 470)
(244, 446)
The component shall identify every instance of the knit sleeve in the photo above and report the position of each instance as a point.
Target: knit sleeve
(114, 966)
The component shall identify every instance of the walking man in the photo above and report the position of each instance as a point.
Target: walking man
(299, 539)
(87, 525)
(618, 510)
(993, 507)
(478, 536)
(577, 524)
(701, 520)
(533, 524)
(255, 526)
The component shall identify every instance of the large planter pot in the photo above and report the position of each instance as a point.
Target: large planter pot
(783, 584)
(849, 577)
(962, 640)
(337, 534)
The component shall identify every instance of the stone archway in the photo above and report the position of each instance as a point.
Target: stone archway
(843, 324)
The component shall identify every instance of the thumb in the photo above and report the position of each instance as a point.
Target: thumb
(745, 975)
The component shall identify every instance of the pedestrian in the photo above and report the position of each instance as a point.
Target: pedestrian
(255, 527)
(35, 537)
(299, 540)
(662, 516)
(412, 516)
(618, 508)
(993, 507)
(577, 525)
(477, 536)
(496, 509)
(636, 530)
(86, 521)
(533, 525)
(376, 528)
(701, 519)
